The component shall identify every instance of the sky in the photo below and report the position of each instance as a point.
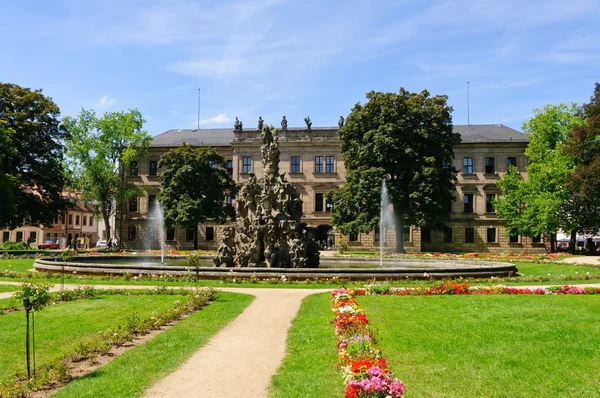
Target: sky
(311, 58)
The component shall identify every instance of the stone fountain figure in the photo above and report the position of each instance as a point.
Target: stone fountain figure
(268, 230)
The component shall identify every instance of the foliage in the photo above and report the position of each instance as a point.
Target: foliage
(99, 150)
(542, 204)
(407, 139)
(583, 144)
(192, 191)
(9, 245)
(67, 255)
(34, 297)
(31, 172)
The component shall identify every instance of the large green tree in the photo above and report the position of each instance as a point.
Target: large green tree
(583, 144)
(194, 185)
(407, 139)
(31, 170)
(543, 203)
(99, 150)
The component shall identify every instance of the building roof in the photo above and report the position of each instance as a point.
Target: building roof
(223, 137)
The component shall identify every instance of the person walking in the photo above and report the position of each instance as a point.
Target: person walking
(28, 244)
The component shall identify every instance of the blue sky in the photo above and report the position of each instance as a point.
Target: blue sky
(299, 58)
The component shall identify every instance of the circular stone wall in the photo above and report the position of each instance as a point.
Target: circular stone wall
(354, 269)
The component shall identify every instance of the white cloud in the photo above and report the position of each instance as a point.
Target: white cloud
(105, 102)
(219, 119)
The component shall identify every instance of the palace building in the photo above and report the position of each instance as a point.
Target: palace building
(312, 160)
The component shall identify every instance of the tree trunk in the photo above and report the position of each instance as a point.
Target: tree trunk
(399, 232)
(591, 247)
(27, 343)
(106, 218)
(552, 243)
(573, 242)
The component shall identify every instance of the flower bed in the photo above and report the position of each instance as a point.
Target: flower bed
(363, 368)
(452, 288)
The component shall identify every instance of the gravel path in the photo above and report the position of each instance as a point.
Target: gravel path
(582, 260)
(239, 360)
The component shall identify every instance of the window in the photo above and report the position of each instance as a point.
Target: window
(489, 166)
(170, 234)
(469, 235)
(536, 239)
(468, 201)
(468, 166)
(62, 218)
(353, 237)
(426, 235)
(318, 202)
(318, 164)
(513, 238)
(210, 234)
(33, 236)
(246, 165)
(489, 204)
(56, 219)
(5, 236)
(405, 234)
(511, 161)
(133, 204)
(295, 165)
(133, 168)
(70, 219)
(48, 236)
(19, 236)
(91, 221)
(447, 234)
(377, 234)
(84, 220)
(131, 232)
(153, 167)
(230, 167)
(151, 203)
(212, 163)
(491, 235)
(328, 205)
(56, 237)
(329, 164)
(76, 220)
(189, 234)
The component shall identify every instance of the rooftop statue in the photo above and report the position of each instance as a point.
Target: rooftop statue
(308, 122)
(260, 123)
(237, 125)
(284, 123)
(268, 230)
(341, 122)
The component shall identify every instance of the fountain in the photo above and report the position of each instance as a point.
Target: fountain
(268, 229)
(156, 228)
(386, 218)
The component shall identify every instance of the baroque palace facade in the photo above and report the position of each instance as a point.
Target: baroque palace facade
(312, 160)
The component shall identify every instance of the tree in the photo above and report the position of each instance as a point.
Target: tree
(407, 139)
(34, 297)
(543, 203)
(31, 170)
(194, 185)
(99, 150)
(583, 144)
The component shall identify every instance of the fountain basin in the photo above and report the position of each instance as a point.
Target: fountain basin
(352, 269)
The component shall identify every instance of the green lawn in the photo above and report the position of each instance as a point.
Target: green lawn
(8, 288)
(59, 328)
(490, 346)
(308, 369)
(129, 374)
(16, 264)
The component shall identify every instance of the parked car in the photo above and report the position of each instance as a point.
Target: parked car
(48, 245)
(101, 244)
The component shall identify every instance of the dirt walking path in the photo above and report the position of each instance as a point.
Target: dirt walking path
(593, 260)
(239, 360)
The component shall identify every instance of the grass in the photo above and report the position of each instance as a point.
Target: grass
(129, 374)
(8, 288)
(492, 346)
(308, 369)
(16, 264)
(59, 328)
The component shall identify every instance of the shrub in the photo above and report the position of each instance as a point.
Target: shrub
(9, 245)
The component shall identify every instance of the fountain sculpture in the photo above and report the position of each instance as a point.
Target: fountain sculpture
(267, 230)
